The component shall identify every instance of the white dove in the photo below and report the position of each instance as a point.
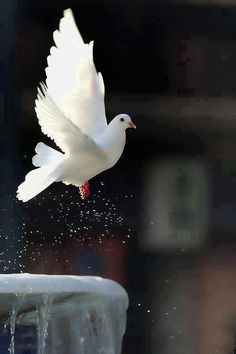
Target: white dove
(71, 111)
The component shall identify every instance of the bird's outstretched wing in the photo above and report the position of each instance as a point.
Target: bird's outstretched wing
(68, 136)
(72, 79)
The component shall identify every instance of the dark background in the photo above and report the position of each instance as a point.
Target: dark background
(171, 66)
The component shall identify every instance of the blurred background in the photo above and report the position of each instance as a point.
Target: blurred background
(162, 222)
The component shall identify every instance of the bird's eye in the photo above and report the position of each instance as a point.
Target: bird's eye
(122, 119)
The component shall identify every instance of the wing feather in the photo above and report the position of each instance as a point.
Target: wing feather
(67, 135)
(72, 79)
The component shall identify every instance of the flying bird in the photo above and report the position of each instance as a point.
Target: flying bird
(71, 111)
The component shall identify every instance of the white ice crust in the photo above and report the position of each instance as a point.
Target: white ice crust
(24, 283)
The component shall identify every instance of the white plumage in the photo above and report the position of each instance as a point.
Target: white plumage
(71, 111)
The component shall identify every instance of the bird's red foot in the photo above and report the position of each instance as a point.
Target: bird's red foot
(84, 190)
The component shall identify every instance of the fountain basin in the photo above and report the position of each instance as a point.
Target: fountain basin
(73, 314)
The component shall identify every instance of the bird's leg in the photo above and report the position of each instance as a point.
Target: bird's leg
(84, 190)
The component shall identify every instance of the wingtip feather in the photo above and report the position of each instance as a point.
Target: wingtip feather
(68, 12)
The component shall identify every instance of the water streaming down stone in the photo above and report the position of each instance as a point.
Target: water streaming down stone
(16, 306)
(73, 315)
(43, 310)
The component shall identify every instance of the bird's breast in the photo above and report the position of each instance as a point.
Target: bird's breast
(113, 144)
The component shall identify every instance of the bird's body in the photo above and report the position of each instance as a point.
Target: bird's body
(78, 168)
(71, 111)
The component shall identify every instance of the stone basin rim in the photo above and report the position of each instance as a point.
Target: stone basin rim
(26, 283)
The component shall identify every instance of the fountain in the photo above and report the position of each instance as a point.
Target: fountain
(72, 314)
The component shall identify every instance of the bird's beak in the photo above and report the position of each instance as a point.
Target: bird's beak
(132, 125)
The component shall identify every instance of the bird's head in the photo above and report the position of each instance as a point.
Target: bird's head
(123, 121)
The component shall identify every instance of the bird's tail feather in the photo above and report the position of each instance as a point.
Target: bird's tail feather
(45, 155)
(36, 181)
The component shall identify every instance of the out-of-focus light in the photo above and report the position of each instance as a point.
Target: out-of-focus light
(176, 204)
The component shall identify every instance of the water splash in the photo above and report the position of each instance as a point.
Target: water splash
(76, 220)
(43, 311)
